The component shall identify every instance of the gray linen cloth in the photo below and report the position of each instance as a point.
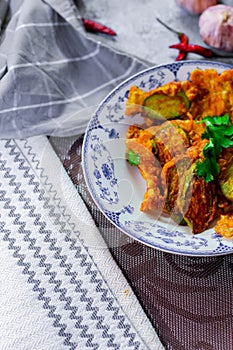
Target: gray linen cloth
(52, 75)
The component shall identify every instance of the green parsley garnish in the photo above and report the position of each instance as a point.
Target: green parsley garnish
(219, 132)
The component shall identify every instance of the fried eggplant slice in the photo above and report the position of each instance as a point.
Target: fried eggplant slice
(199, 202)
(150, 149)
(226, 182)
(171, 141)
(150, 169)
(165, 102)
(176, 178)
(161, 106)
(190, 200)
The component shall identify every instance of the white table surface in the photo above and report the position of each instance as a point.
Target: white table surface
(138, 31)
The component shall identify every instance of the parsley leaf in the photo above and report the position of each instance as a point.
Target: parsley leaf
(208, 168)
(219, 132)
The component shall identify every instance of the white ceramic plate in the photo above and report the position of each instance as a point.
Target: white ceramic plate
(117, 188)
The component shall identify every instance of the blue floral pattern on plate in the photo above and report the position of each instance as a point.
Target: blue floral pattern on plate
(118, 189)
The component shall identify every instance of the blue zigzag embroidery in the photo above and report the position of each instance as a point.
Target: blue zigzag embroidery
(41, 292)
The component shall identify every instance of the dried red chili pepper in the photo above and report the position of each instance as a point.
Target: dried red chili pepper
(182, 54)
(93, 26)
(182, 37)
(184, 47)
(200, 50)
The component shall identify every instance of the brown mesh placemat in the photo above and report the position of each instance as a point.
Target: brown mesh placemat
(189, 300)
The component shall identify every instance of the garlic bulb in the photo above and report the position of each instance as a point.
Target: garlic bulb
(196, 7)
(216, 27)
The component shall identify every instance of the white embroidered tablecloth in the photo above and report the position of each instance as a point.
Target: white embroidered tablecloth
(59, 286)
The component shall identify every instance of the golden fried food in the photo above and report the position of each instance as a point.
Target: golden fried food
(165, 102)
(209, 93)
(224, 226)
(213, 93)
(171, 150)
(141, 142)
